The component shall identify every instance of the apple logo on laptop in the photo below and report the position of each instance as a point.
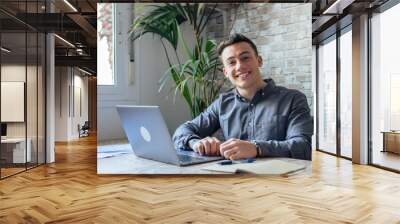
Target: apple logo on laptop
(145, 134)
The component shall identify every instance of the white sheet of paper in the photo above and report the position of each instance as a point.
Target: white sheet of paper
(270, 167)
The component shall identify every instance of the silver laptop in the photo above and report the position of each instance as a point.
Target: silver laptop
(149, 137)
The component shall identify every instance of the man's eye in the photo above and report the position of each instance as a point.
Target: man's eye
(231, 62)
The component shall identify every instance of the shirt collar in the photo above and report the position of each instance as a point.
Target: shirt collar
(262, 92)
(268, 88)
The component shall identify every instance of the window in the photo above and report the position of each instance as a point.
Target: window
(394, 101)
(327, 96)
(22, 76)
(385, 87)
(105, 44)
(346, 94)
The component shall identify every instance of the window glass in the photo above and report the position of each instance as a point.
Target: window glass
(346, 94)
(327, 97)
(385, 87)
(15, 146)
(105, 44)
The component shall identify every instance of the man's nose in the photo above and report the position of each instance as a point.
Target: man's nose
(239, 65)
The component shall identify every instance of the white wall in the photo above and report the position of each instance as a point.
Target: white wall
(151, 66)
(136, 83)
(82, 83)
(33, 126)
(61, 103)
(68, 82)
(12, 73)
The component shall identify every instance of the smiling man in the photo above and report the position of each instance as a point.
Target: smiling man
(257, 118)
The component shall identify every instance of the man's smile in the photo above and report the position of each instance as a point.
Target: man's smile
(243, 75)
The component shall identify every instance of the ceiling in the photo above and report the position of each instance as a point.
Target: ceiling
(72, 20)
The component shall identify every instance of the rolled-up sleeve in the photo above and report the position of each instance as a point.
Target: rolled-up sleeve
(202, 126)
(298, 136)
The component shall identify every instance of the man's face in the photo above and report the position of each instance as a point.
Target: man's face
(241, 65)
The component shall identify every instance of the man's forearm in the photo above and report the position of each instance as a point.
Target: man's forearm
(203, 125)
(184, 134)
(297, 148)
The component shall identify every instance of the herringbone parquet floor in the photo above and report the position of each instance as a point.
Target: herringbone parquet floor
(70, 191)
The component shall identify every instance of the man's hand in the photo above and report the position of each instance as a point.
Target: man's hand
(235, 149)
(208, 146)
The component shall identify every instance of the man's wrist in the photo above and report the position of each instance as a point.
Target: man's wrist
(258, 148)
(188, 139)
(193, 142)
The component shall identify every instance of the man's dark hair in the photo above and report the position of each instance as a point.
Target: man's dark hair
(233, 39)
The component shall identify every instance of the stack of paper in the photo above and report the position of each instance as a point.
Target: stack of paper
(114, 150)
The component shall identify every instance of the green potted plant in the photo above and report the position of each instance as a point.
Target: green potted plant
(198, 79)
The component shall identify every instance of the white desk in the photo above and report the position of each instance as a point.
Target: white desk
(131, 164)
(18, 149)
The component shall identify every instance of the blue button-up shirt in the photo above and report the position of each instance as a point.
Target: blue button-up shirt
(277, 119)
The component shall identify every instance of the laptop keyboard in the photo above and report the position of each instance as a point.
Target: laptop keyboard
(186, 158)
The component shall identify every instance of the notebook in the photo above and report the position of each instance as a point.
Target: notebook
(269, 167)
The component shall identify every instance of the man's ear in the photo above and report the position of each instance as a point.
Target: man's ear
(225, 73)
(260, 61)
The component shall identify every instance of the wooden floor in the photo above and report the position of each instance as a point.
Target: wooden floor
(70, 191)
(10, 171)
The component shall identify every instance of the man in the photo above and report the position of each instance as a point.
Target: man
(257, 118)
